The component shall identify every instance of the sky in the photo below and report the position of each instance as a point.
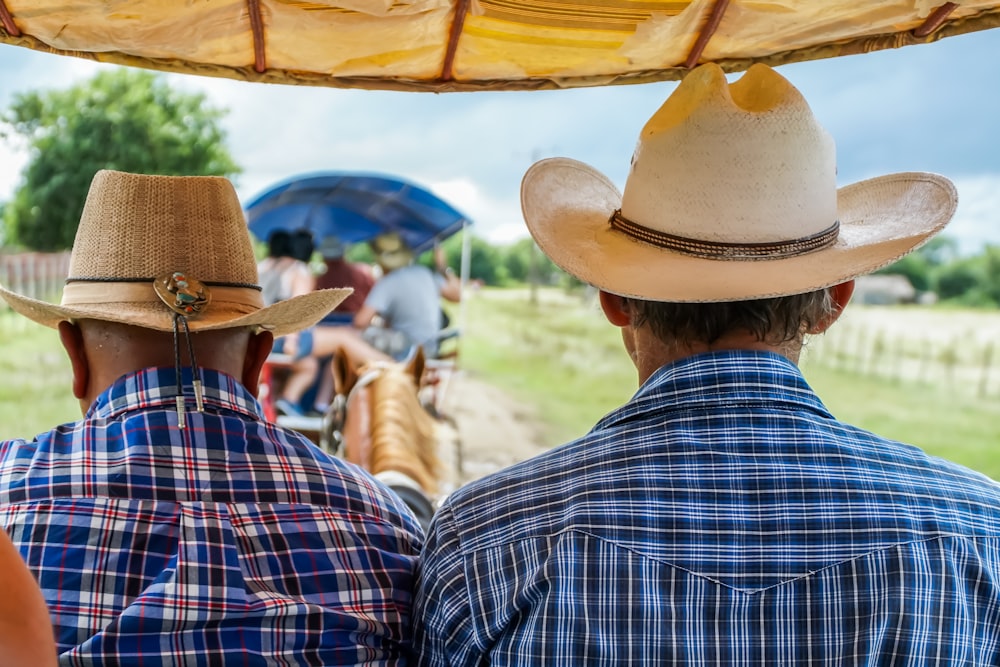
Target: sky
(930, 107)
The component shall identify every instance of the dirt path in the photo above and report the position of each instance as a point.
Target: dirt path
(494, 429)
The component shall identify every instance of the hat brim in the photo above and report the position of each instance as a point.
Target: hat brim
(567, 205)
(284, 317)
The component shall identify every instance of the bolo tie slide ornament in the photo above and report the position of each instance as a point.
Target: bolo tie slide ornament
(186, 297)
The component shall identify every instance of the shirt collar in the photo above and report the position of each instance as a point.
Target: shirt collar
(717, 379)
(156, 388)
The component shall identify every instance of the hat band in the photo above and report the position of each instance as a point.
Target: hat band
(725, 251)
(84, 291)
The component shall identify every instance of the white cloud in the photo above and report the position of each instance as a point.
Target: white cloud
(12, 160)
(498, 220)
(977, 220)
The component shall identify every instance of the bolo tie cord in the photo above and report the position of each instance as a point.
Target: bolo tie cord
(181, 322)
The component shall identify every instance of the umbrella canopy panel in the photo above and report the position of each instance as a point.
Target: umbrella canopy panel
(354, 208)
(451, 45)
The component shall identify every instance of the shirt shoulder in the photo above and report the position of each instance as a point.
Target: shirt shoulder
(246, 461)
(784, 461)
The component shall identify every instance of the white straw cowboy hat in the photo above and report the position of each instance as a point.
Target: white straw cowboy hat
(150, 248)
(731, 196)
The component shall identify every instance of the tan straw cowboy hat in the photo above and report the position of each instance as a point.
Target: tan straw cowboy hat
(731, 196)
(149, 248)
(391, 252)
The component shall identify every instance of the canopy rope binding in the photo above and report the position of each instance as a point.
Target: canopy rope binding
(935, 20)
(257, 28)
(714, 19)
(8, 20)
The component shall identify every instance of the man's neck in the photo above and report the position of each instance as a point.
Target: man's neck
(651, 354)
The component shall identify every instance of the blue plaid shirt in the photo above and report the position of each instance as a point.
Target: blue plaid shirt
(230, 542)
(721, 517)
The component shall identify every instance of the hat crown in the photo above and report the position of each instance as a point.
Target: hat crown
(733, 163)
(391, 252)
(139, 226)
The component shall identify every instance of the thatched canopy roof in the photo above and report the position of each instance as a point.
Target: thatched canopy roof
(465, 45)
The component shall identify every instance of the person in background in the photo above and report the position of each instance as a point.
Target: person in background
(25, 629)
(407, 300)
(340, 272)
(284, 274)
(722, 516)
(173, 524)
(335, 332)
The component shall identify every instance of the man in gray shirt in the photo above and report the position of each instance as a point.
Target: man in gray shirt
(407, 299)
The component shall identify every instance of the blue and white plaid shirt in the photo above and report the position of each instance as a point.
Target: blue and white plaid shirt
(230, 542)
(721, 517)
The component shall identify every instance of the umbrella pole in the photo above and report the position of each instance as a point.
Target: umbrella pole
(464, 278)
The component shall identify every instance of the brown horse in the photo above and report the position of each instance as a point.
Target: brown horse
(382, 426)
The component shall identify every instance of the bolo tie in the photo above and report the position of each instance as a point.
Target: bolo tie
(186, 297)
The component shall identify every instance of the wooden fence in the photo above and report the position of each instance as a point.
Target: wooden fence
(35, 274)
(957, 361)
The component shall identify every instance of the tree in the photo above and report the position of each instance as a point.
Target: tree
(525, 262)
(484, 259)
(991, 272)
(124, 119)
(922, 266)
(963, 281)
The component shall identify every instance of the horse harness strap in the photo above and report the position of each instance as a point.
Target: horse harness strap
(342, 402)
(363, 381)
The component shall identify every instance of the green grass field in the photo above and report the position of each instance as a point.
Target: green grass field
(35, 392)
(564, 358)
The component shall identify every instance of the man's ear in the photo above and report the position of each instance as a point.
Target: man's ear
(840, 295)
(615, 309)
(258, 347)
(72, 339)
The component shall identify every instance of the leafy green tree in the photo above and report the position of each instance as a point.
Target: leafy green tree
(452, 247)
(922, 266)
(517, 259)
(484, 259)
(962, 281)
(991, 273)
(525, 262)
(123, 119)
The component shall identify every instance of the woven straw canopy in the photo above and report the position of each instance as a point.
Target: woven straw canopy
(453, 45)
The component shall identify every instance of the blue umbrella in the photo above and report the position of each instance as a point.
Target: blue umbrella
(354, 207)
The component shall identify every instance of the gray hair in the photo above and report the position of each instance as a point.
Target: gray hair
(776, 321)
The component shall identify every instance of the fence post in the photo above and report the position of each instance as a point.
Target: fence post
(897, 363)
(984, 378)
(861, 351)
(926, 353)
(949, 358)
(877, 355)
